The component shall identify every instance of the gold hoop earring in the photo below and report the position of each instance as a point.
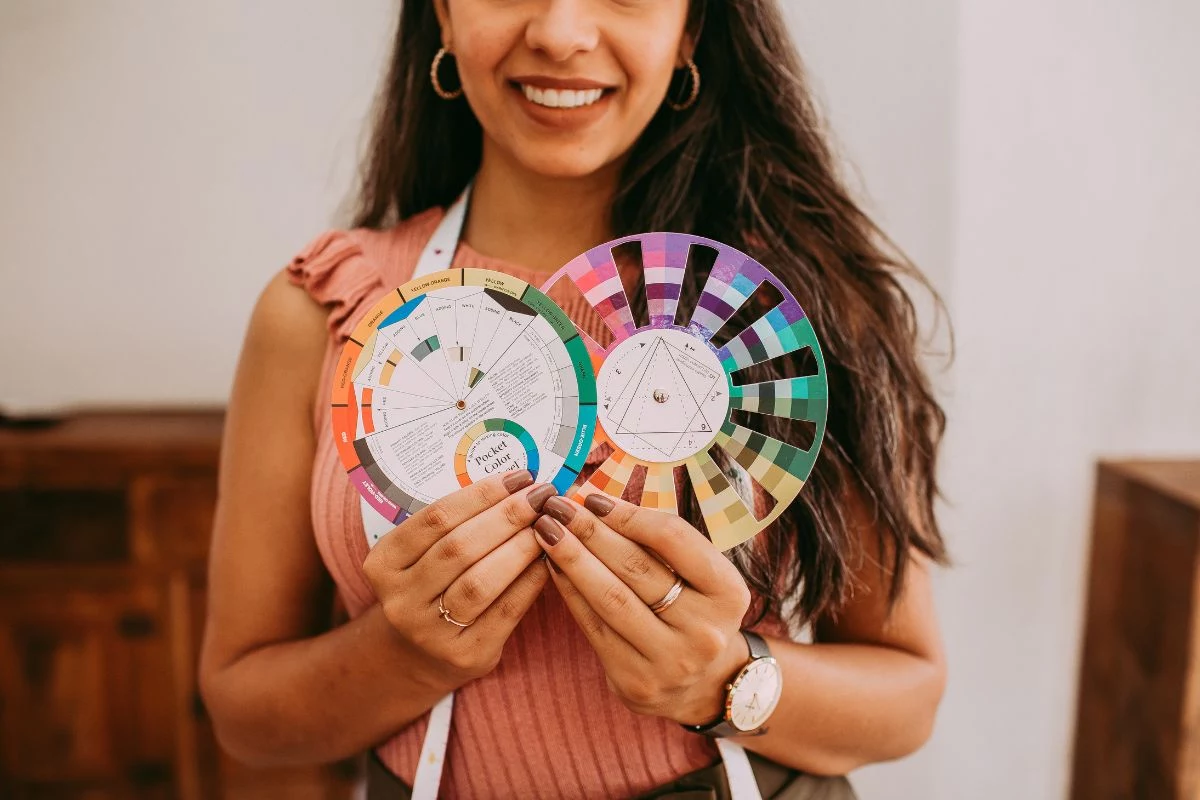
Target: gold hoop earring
(691, 65)
(433, 78)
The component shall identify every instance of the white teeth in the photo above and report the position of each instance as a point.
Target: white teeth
(561, 98)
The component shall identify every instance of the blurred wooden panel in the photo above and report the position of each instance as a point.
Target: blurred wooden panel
(105, 521)
(171, 518)
(109, 449)
(63, 526)
(1138, 717)
(83, 672)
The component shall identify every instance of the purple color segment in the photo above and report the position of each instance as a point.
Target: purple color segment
(790, 309)
(654, 250)
(360, 478)
(677, 251)
(662, 291)
(757, 272)
(663, 253)
(602, 262)
(727, 265)
(715, 305)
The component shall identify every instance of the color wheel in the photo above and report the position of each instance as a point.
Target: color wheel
(667, 395)
(455, 376)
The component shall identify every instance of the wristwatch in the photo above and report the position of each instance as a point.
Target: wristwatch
(750, 696)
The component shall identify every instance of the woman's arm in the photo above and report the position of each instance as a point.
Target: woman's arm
(868, 688)
(279, 686)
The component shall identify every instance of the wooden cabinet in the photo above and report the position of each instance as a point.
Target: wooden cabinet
(1138, 719)
(104, 530)
(85, 668)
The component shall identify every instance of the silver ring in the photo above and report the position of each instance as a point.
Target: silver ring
(445, 612)
(670, 597)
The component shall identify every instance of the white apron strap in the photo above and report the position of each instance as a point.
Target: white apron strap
(437, 256)
(439, 250)
(739, 773)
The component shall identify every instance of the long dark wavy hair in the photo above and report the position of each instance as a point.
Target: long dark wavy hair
(749, 164)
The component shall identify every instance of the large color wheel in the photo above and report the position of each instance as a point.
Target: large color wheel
(456, 376)
(666, 394)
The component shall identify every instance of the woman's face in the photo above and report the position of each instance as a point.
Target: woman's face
(563, 87)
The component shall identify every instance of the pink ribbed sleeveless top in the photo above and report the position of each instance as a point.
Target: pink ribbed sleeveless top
(544, 723)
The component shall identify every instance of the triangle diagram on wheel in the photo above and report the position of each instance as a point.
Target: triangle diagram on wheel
(674, 411)
(699, 379)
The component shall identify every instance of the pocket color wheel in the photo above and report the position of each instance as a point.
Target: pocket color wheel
(456, 376)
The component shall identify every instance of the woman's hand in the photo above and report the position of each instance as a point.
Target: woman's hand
(673, 664)
(473, 550)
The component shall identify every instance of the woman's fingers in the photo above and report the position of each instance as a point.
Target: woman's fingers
(610, 645)
(610, 597)
(455, 553)
(502, 616)
(409, 540)
(474, 591)
(636, 566)
(680, 545)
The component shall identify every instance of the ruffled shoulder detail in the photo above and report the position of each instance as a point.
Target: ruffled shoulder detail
(347, 270)
(335, 273)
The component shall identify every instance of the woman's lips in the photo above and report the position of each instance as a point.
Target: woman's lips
(547, 82)
(562, 104)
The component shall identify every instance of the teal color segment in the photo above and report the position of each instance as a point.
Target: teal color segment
(743, 285)
(584, 375)
(582, 443)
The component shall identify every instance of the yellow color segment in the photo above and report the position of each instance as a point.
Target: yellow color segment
(659, 492)
(514, 287)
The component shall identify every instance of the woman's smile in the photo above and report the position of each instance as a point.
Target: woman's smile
(561, 103)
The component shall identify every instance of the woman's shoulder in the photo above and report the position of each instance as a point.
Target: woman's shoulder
(342, 269)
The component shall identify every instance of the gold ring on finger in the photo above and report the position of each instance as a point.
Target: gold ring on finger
(445, 612)
(670, 597)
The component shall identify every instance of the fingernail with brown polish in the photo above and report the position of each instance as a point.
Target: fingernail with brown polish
(538, 497)
(561, 509)
(516, 481)
(548, 531)
(598, 504)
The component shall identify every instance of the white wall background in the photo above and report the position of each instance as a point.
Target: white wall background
(1075, 286)
(1037, 158)
(158, 161)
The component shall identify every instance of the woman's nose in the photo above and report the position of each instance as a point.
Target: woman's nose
(562, 28)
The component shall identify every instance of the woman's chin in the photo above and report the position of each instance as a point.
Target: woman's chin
(562, 166)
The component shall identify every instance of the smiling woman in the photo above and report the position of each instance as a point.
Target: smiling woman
(575, 122)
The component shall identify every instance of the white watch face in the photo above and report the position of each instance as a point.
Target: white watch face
(755, 695)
